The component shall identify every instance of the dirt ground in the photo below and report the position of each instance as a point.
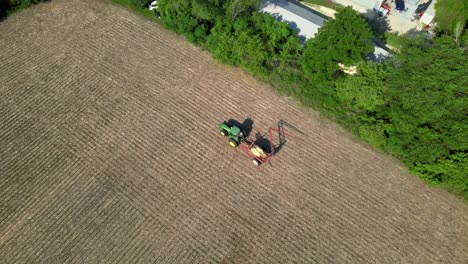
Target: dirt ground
(109, 153)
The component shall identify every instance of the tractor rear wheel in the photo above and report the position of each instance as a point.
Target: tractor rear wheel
(232, 143)
(256, 162)
(223, 132)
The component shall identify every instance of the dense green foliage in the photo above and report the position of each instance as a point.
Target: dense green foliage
(258, 43)
(9, 6)
(428, 106)
(345, 39)
(452, 17)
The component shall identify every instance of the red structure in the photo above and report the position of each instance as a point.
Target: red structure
(259, 154)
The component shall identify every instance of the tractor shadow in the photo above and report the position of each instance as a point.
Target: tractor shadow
(246, 125)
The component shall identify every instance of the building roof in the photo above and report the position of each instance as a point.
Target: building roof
(302, 18)
(429, 14)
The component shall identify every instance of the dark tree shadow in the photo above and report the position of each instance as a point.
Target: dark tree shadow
(412, 33)
(8, 6)
(378, 24)
(4, 7)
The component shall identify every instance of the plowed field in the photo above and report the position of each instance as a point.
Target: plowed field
(109, 153)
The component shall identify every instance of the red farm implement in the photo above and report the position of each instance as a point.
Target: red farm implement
(263, 148)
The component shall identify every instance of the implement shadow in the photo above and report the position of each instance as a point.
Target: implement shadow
(282, 134)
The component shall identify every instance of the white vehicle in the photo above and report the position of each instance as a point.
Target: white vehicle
(153, 6)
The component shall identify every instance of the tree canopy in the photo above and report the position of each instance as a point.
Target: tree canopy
(345, 39)
(428, 101)
(452, 17)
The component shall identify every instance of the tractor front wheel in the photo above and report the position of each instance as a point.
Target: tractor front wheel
(232, 143)
(223, 132)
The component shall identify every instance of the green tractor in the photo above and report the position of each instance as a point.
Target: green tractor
(234, 133)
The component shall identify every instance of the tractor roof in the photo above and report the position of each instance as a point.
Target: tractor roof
(235, 130)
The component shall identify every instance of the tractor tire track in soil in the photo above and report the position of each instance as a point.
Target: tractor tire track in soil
(109, 153)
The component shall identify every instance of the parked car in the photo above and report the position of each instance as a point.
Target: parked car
(400, 5)
(154, 7)
(422, 7)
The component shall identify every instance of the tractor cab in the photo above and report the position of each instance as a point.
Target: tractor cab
(235, 134)
(235, 131)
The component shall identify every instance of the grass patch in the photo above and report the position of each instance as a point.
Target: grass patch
(326, 3)
(394, 41)
(144, 12)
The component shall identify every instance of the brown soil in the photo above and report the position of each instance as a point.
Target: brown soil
(109, 153)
